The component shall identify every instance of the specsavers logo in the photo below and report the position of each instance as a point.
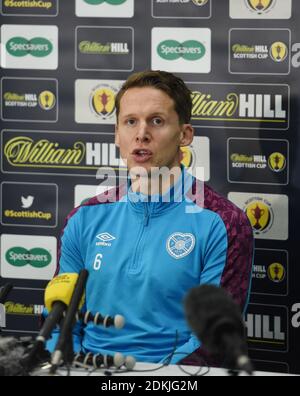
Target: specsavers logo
(38, 47)
(20, 257)
(189, 50)
(29, 47)
(183, 50)
(28, 256)
(105, 8)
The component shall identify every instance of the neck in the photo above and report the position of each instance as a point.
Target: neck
(156, 182)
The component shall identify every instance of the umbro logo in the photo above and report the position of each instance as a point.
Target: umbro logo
(105, 238)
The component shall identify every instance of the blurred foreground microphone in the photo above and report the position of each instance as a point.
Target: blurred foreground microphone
(58, 295)
(11, 352)
(64, 346)
(217, 321)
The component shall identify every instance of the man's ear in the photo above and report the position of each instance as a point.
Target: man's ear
(186, 135)
(117, 138)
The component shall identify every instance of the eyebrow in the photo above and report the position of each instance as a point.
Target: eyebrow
(155, 114)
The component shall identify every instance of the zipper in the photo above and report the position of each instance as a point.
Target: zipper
(136, 264)
(146, 214)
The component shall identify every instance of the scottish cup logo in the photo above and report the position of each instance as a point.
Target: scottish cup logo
(260, 215)
(260, 6)
(47, 100)
(277, 162)
(278, 51)
(200, 2)
(102, 101)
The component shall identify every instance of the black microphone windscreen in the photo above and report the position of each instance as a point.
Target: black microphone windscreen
(211, 312)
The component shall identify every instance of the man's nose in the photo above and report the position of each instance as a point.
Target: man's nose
(143, 134)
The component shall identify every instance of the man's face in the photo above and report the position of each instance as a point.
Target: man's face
(148, 131)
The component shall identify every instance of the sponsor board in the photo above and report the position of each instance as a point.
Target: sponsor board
(260, 51)
(267, 327)
(29, 47)
(109, 48)
(28, 257)
(24, 308)
(95, 101)
(105, 8)
(29, 204)
(260, 9)
(78, 154)
(258, 161)
(182, 50)
(85, 192)
(267, 213)
(29, 7)
(243, 106)
(187, 9)
(25, 99)
(270, 274)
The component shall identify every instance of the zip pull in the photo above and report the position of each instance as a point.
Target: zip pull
(146, 215)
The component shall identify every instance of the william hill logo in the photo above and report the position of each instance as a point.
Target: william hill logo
(190, 50)
(38, 47)
(98, 2)
(23, 150)
(95, 48)
(241, 105)
(20, 257)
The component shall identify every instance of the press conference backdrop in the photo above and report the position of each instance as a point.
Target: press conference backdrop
(62, 63)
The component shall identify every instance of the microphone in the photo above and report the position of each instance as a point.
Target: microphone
(11, 352)
(57, 297)
(4, 291)
(217, 322)
(99, 360)
(117, 321)
(65, 337)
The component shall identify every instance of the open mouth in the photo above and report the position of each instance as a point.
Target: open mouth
(141, 155)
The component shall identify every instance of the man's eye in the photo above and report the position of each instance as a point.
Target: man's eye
(157, 121)
(131, 122)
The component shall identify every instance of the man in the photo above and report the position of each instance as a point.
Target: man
(163, 235)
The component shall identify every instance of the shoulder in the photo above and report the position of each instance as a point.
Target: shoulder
(231, 215)
(111, 196)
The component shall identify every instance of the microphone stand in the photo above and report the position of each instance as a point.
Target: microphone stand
(64, 348)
